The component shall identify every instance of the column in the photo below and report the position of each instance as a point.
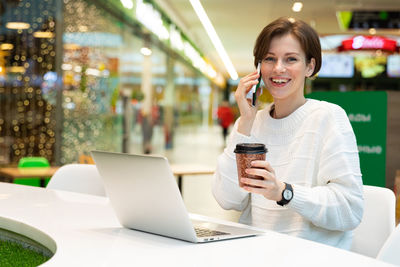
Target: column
(147, 89)
(169, 98)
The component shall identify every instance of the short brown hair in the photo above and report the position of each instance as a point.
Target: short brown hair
(306, 35)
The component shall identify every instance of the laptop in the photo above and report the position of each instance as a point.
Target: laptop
(145, 196)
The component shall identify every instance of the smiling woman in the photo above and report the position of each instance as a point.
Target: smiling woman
(310, 184)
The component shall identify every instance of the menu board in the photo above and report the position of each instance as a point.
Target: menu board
(370, 66)
(393, 66)
(337, 66)
(365, 19)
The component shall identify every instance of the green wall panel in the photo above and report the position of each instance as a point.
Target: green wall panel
(367, 112)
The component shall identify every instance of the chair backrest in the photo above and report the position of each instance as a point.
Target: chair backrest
(390, 250)
(377, 223)
(81, 178)
(85, 159)
(29, 162)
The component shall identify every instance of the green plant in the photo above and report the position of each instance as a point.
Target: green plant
(14, 254)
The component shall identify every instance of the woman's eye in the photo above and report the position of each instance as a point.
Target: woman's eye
(269, 59)
(292, 59)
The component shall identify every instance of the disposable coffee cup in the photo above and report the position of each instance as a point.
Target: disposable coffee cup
(245, 154)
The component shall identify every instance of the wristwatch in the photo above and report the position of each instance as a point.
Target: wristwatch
(287, 195)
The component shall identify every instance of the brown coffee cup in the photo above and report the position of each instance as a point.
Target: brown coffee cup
(245, 154)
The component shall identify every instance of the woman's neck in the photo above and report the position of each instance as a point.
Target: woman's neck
(285, 107)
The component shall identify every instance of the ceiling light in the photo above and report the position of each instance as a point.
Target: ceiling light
(145, 51)
(17, 25)
(83, 28)
(6, 46)
(66, 66)
(93, 72)
(198, 8)
(16, 69)
(43, 34)
(71, 46)
(77, 68)
(297, 6)
(127, 3)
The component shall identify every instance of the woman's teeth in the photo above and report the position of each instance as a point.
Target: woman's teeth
(280, 80)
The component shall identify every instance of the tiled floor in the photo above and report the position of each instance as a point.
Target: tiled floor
(192, 144)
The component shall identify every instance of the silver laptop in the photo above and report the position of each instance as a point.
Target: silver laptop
(145, 196)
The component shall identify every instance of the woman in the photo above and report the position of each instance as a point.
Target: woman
(311, 184)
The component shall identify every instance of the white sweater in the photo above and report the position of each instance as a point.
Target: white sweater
(315, 150)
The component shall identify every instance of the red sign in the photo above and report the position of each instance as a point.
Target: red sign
(369, 42)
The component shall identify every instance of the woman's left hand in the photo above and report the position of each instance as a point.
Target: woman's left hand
(268, 185)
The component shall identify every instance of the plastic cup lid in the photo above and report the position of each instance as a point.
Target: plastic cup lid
(250, 148)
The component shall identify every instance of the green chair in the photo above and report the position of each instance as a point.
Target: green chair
(32, 162)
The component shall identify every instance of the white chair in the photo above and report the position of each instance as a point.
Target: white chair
(80, 178)
(390, 250)
(377, 223)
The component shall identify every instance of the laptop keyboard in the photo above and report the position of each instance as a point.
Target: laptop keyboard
(204, 232)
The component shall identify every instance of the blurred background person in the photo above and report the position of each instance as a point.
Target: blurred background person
(225, 117)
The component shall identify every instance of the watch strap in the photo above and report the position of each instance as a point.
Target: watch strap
(285, 201)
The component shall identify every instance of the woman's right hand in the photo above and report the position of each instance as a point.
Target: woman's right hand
(247, 111)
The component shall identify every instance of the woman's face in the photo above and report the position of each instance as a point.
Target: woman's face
(284, 68)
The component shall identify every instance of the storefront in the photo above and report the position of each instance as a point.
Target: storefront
(28, 59)
(80, 75)
(359, 63)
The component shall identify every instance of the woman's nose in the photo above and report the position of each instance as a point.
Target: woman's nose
(279, 66)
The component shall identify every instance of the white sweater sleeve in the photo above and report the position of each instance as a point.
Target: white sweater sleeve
(337, 202)
(225, 186)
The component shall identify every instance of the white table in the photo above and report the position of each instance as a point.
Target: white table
(87, 233)
(11, 173)
(190, 169)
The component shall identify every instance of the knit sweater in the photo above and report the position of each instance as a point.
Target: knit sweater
(315, 150)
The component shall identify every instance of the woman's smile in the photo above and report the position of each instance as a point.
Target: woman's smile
(279, 81)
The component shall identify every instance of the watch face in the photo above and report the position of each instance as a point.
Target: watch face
(287, 194)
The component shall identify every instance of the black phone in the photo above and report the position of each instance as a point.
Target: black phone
(257, 86)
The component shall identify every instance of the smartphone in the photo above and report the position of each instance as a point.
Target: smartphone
(252, 94)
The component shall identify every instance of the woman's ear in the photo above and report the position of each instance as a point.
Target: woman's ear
(310, 67)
